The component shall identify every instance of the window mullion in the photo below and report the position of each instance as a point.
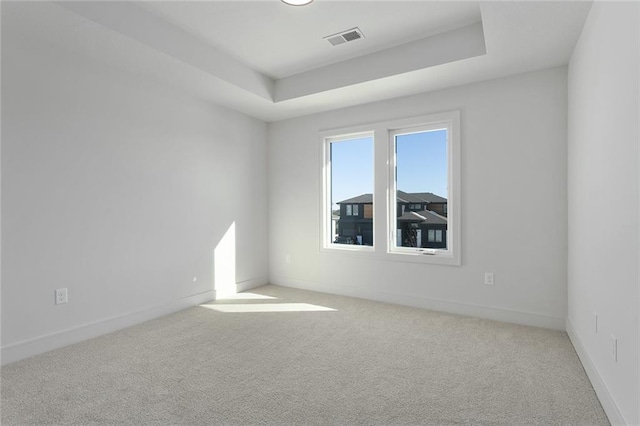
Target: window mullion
(380, 205)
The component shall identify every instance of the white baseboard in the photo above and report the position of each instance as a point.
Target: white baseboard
(251, 284)
(606, 399)
(28, 348)
(453, 307)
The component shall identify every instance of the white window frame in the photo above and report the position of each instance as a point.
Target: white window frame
(451, 123)
(384, 194)
(326, 239)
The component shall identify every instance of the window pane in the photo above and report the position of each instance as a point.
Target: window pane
(351, 187)
(421, 189)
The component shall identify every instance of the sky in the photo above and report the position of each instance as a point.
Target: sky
(421, 165)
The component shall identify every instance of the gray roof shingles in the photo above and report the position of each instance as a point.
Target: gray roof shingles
(360, 199)
(404, 197)
(424, 216)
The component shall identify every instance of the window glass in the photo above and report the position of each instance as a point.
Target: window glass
(421, 176)
(351, 184)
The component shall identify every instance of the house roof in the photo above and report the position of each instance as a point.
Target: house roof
(403, 197)
(360, 199)
(406, 197)
(424, 216)
(412, 217)
(429, 197)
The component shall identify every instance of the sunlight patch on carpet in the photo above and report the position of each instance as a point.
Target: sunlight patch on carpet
(266, 307)
(246, 296)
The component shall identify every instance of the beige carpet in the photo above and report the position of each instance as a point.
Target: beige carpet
(363, 363)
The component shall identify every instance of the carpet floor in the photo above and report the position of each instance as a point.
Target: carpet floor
(282, 357)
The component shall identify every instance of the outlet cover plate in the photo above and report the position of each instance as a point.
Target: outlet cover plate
(489, 278)
(61, 296)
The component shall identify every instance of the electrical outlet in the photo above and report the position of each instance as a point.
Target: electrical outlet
(287, 258)
(61, 296)
(614, 348)
(489, 278)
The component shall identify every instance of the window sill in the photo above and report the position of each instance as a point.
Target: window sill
(438, 258)
(349, 249)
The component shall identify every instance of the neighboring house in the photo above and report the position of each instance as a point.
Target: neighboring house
(335, 220)
(422, 229)
(422, 220)
(355, 225)
(417, 201)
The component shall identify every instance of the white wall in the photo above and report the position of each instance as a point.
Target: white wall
(120, 191)
(514, 202)
(603, 194)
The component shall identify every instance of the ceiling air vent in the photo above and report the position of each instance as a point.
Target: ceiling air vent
(345, 36)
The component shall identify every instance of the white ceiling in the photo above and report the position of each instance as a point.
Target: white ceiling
(269, 60)
(279, 40)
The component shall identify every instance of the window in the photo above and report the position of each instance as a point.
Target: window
(415, 170)
(348, 176)
(420, 156)
(435, 236)
(352, 210)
